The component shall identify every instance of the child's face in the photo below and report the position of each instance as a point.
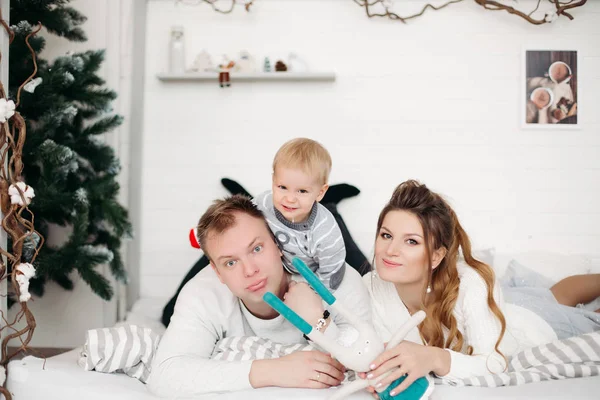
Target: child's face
(295, 192)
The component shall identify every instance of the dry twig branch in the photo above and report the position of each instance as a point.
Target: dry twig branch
(17, 224)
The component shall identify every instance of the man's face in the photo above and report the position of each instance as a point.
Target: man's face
(247, 260)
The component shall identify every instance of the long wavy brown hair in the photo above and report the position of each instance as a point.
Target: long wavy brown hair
(441, 229)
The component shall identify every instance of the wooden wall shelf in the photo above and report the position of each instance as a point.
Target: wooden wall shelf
(251, 77)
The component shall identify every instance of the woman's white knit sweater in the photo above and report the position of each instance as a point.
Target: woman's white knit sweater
(479, 326)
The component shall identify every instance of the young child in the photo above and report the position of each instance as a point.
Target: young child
(303, 227)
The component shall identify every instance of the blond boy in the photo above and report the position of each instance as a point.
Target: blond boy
(302, 226)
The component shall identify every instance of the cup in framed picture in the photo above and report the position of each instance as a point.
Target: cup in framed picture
(542, 97)
(560, 72)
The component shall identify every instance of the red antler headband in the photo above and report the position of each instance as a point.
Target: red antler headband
(194, 239)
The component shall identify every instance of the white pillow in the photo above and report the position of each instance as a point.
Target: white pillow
(554, 266)
(485, 255)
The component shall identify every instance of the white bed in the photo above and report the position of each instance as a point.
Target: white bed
(63, 379)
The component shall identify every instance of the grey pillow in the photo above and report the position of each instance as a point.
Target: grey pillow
(518, 275)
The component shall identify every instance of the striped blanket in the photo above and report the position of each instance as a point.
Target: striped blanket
(128, 348)
(575, 357)
(568, 358)
(239, 348)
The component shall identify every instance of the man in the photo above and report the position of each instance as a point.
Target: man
(226, 301)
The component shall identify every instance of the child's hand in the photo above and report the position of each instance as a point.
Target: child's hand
(304, 301)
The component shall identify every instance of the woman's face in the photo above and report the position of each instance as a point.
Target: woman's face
(400, 254)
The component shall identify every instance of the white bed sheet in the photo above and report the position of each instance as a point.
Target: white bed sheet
(148, 311)
(63, 379)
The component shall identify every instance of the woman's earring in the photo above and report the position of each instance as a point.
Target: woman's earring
(428, 288)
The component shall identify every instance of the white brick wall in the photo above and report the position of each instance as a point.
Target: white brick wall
(437, 99)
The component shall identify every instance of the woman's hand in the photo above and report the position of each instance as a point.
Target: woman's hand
(304, 301)
(410, 359)
(371, 390)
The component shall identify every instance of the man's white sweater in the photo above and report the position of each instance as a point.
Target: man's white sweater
(206, 312)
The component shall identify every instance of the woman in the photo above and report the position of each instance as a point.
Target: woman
(469, 330)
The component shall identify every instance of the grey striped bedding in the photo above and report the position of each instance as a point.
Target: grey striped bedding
(239, 348)
(568, 358)
(128, 348)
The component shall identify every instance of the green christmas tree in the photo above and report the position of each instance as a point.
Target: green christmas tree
(71, 170)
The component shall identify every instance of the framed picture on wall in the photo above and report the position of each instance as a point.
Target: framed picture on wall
(551, 93)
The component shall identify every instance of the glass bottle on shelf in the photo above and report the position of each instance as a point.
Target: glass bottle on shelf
(176, 51)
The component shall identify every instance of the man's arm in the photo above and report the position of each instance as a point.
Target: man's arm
(301, 369)
(182, 365)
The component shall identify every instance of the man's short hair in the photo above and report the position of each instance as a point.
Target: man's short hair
(221, 216)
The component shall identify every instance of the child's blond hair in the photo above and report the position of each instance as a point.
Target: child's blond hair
(306, 154)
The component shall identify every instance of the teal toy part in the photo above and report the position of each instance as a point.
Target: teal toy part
(287, 312)
(313, 281)
(414, 392)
